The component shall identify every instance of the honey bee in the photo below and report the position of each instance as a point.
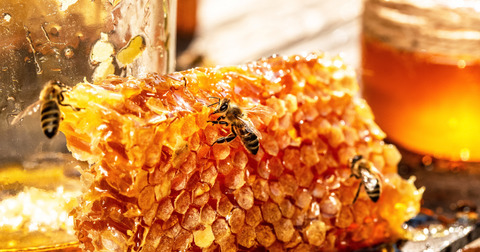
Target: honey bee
(364, 170)
(50, 98)
(240, 125)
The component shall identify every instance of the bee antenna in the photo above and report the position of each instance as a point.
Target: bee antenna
(212, 104)
(213, 97)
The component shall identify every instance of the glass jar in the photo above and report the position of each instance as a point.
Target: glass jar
(421, 74)
(69, 41)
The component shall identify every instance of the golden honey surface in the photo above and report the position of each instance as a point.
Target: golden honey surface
(34, 208)
(157, 182)
(436, 96)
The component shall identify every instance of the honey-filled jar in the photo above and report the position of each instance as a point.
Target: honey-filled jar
(421, 74)
(47, 47)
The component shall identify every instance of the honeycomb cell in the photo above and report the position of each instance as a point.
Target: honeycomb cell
(183, 240)
(236, 220)
(182, 202)
(146, 198)
(246, 237)
(296, 239)
(269, 145)
(291, 103)
(330, 205)
(235, 179)
(270, 212)
(240, 160)
(313, 211)
(244, 197)
(224, 206)
(361, 211)
(276, 247)
(319, 189)
(209, 175)
(191, 219)
(278, 105)
(253, 217)
(220, 229)
(290, 158)
(345, 219)
(287, 208)
(220, 151)
(166, 244)
(391, 154)
(284, 229)
(303, 198)
(263, 170)
(203, 238)
(265, 235)
(190, 164)
(276, 192)
(336, 136)
(207, 215)
(179, 181)
(225, 166)
(302, 248)
(260, 189)
(228, 244)
(316, 232)
(298, 217)
(289, 184)
(150, 214)
(309, 155)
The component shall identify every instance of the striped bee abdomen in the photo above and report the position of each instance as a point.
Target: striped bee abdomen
(375, 193)
(249, 139)
(50, 118)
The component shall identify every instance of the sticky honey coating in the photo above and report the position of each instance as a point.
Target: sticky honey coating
(158, 183)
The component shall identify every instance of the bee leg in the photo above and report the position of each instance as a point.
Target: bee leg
(219, 122)
(62, 98)
(353, 175)
(185, 81)
(220, 118)
(227, 139)
(358, 192)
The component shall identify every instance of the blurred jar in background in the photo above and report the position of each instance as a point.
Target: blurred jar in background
(421, 74)
(66, 40)
(186, 19)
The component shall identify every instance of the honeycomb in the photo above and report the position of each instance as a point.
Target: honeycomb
(157, 181)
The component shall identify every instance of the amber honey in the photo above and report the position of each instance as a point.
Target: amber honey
(420, 71)
(427, 103)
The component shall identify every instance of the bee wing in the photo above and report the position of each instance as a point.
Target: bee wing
(250, 127)
(28, 111)
(369, 180)
(263, 113)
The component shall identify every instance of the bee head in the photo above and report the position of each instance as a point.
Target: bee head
(57, 82)
(354, 160)
(223, 105)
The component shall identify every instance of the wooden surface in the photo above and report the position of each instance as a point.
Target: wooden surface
(235, 32)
